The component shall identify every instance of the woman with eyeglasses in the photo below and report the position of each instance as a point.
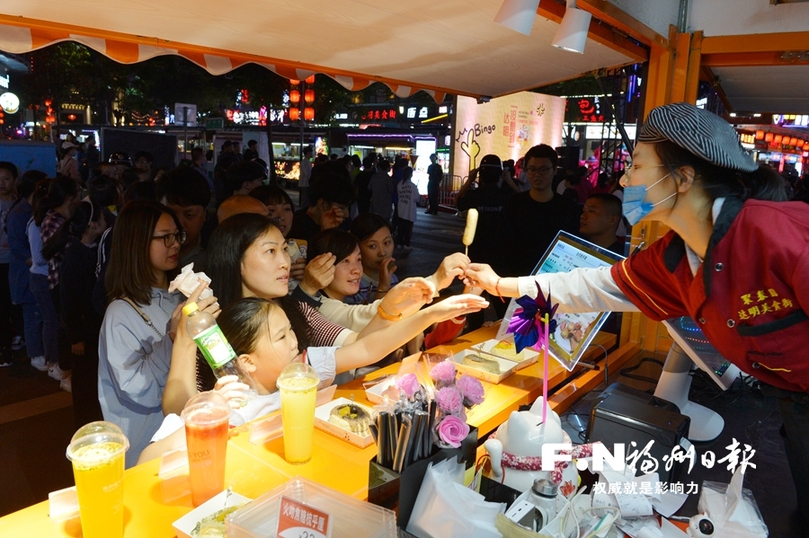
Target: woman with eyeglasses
(736, 260)
(136, 335)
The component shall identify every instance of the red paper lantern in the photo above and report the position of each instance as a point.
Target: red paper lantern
(310, 80)
(759, 135)
(294, 114)
(768, 137)
(793, 141)
(309, 96)
(778, 139)
(309, 114)
(294, 82)
(294, 97)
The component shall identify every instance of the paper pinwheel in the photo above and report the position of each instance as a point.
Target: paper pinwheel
(528, 323)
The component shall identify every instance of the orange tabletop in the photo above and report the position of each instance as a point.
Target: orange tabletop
(152, 504)
(520, 388)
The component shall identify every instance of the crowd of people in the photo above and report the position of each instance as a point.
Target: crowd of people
(89, 264)
(90, 260)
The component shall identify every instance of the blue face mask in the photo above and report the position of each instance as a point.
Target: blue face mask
(634, 206)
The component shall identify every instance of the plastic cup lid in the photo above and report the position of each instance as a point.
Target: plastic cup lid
(95, 433)
(298, 370)
(207, 400)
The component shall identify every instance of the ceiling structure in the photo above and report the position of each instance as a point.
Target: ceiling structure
(759, 57)
(453, 46)
(779, 90)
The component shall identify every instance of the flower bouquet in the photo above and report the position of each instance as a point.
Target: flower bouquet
(453, 396)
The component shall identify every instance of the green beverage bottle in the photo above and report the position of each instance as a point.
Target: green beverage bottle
(212, 343)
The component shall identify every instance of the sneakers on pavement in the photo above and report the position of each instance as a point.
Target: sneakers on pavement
(66, 384)
(57, 373)
(39, 363)
(17, 343)
(5, 362)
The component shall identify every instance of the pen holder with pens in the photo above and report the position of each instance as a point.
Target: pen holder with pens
(397, 491)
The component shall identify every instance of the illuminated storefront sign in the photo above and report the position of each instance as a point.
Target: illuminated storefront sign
(254, 117)
(794, 120)
(584, 110)
(379, 114)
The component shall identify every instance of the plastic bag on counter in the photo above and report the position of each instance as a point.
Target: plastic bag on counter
(732, 509)
(445, 508)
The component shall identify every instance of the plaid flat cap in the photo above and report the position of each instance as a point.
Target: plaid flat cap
(701, 132)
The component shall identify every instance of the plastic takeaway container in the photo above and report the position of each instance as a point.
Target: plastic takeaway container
(351, 517)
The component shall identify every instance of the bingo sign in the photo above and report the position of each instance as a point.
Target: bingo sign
(506, 126)
(298, 520)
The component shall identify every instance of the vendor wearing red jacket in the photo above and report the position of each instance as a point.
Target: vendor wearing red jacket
(736, 260)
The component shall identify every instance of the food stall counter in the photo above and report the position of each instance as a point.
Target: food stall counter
(152, 504)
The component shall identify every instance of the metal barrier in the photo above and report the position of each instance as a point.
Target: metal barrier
(450, 186)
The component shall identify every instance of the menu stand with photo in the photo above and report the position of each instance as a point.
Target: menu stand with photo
(574, 332)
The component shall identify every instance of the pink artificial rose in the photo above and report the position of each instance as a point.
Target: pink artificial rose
(471, 389)
(452, 430)
(449, 400)
(409, 384)
(443, 373)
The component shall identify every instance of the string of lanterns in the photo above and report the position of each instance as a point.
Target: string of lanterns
(773, 139)
(295, 100)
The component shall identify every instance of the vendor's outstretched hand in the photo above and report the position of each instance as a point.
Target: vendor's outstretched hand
(408, 296)
(319, 273)
(481, 275)
(458, 305)
(452, 266)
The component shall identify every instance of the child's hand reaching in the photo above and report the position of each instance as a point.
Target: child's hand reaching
(234, 391)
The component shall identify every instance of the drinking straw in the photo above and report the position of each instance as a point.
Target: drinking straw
(545, 376)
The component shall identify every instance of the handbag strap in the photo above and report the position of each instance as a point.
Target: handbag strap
(142, 315)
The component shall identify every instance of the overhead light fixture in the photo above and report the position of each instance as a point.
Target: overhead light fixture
(572, 33)
(518, 15)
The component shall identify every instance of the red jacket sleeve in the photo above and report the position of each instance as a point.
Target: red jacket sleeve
(444, 332)
(650, 285)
